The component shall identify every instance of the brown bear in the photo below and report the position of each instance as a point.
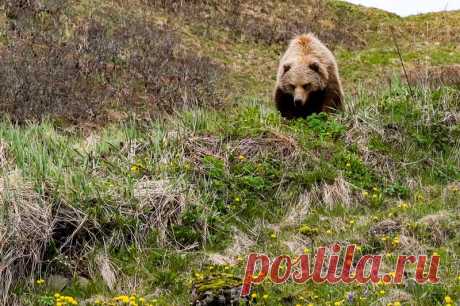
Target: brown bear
(308, 79)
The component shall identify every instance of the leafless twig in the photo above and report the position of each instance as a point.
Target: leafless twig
(401, 59)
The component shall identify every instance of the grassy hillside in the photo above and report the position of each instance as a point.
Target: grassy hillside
(142, 159)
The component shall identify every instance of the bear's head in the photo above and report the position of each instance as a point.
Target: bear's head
(302, 79)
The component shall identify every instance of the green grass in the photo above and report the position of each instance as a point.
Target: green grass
(228, 189)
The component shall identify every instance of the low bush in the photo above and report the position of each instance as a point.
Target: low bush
(99, 71)
(269, 23)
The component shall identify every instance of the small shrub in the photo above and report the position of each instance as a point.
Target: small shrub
(137, 66)
(266, 23)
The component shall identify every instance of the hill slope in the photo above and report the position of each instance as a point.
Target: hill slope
(141, 156)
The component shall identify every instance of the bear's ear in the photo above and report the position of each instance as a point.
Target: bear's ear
(314, 66)
(286, 68)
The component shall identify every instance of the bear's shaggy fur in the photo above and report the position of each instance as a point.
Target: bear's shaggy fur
(308, 79)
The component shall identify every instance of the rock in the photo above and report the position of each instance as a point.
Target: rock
(92, 300)
(440, 226)
(219, 259)
(396, 295)
(435, 219)
(385, 227)
(82, 282)
(57, 282)
(155, 294)
(410, 245)
(217, 289)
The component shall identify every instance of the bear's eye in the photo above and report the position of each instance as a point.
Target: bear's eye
(291, 87)
(307, 86)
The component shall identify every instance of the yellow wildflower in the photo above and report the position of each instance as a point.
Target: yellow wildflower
(40, 281)
(121, 298)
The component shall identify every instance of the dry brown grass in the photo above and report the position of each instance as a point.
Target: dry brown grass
(241, 244)
(396, 295)
(3, 154)
(159, 206)
(439, 226)
(296, 213)
(73, 231)
(330, 195)
(21, 9)
(410, 245)
(438, 28)
(434, 76)
(26, 225)
(198, 147)
(267, 22)
(339, 192)
(282, 146)
(106, 270)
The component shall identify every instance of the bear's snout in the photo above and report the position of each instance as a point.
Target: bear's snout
(298, 102)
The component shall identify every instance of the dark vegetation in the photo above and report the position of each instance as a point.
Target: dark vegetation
(270, 23)
(96, 72)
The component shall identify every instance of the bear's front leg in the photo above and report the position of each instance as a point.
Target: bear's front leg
(284, 104)
(332, 101)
